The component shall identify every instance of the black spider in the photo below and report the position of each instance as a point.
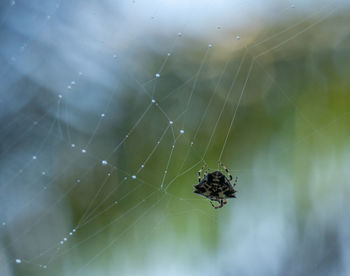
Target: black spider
(216, 186)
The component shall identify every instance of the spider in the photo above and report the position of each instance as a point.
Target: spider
(216, 186)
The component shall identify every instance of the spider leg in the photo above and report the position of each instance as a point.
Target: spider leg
(213, 205)
(219, 206)
(199, 172)
(226, 170)
(235, 183)
(206, 172)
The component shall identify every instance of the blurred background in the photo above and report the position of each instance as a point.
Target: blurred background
(108, 109)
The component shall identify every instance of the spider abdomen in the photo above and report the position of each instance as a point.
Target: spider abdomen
(215, 186)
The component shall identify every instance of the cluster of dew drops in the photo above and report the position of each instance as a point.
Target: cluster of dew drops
(44, 266)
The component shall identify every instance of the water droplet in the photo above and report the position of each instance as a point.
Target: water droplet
(142, 166)
(179, 34)
(43, 173)
(109, 174)
(3, 224)
(73, 145)
(157, 75)
(35, 122)
(13, 3)
(238, 37)
(61, 242)
(171, 122)
(169, 54)
(115, 56)
(173, 146)
(80, 73)
(115, 202)
(210, 45)
(104, 162)
(182, 131)
(65, 239)
(127, 135)
(74, 230)
(70, 233)
(83, 150)
(158, 142)
(192, 143)
(125, 178)
(102, 115)
(78, 180)
(165, 171)
(48, 17)
(292, 6)
(44, 266)
(60, 96)
(153, 100)
(34, 157)
(72, 82)
(18, 261)
(133, 177)
(69, 87)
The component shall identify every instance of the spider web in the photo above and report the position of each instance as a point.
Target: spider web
(108, 112)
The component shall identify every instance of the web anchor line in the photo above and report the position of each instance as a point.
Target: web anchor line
(236, 108)
(224, 105)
